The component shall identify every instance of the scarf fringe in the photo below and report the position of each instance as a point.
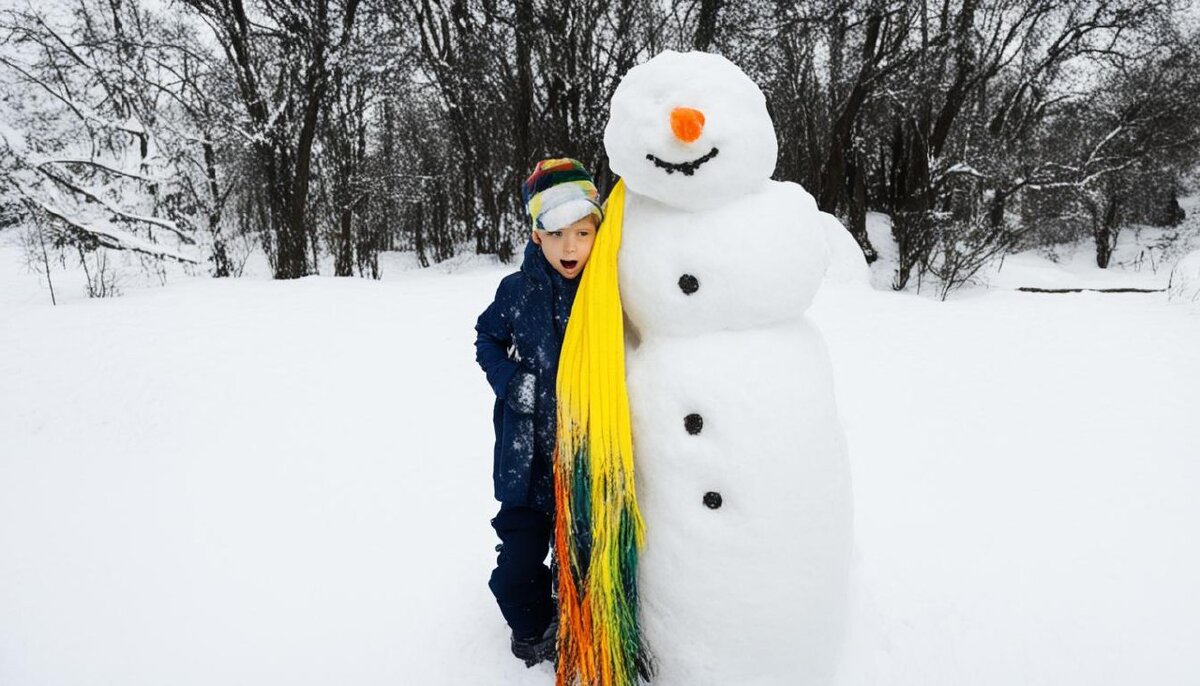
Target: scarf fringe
(598, 528)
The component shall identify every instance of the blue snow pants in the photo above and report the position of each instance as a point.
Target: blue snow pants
(521, 581)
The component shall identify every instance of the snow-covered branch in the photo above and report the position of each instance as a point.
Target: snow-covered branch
(129, 173)
(74, 185)
(104, 233)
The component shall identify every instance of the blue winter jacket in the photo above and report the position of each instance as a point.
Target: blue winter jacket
(522, 331)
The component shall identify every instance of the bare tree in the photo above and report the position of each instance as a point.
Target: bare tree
(280, 57)
(86, 149)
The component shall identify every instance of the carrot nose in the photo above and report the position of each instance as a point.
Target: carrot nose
(687, 123)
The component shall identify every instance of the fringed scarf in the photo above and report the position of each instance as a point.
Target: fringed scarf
(598, 528)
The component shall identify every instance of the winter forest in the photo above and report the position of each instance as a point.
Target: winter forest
(321, 133)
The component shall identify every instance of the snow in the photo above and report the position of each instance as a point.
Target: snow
(963, 168)
(1184, 285)
(229, 481)
(222, 482)
(879, 232)
(525, 397)
(1024, 471)
(13, 138)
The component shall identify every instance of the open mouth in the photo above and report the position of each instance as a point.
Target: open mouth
(687, 168)
(568, 264)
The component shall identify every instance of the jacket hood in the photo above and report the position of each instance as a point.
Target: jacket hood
(535, 265)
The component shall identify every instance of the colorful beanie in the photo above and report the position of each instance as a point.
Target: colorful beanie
(559, 192)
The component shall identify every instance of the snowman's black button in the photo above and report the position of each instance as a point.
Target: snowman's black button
(499, 547)
(688, 284)
(712, 500)
(693, 423)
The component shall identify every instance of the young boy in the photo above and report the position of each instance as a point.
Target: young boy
(518, 343)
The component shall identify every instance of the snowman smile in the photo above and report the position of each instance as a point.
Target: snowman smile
(687, 168)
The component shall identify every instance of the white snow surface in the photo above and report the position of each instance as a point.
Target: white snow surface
(246, 481)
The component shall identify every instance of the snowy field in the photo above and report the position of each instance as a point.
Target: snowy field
(256, 482)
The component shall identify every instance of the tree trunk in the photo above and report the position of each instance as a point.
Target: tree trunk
(391, 215)
(523, 112)
(833, 172)
(996, 210)
(343, 264)
(857, 214)
(1106, 232)
(419, 234)
(706, 24)
(911, 197)
(220, 253)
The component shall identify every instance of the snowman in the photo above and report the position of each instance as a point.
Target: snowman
(741, 473)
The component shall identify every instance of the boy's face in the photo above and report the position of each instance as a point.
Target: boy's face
(568, 250)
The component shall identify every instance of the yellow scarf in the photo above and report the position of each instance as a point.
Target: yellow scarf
(598, 528)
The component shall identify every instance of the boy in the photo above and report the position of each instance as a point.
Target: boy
(518, 343)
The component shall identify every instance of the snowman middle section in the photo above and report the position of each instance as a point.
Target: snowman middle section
(754, 262)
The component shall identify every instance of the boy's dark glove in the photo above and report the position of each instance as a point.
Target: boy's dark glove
(522, 390)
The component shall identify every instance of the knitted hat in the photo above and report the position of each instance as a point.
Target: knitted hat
(558, 193)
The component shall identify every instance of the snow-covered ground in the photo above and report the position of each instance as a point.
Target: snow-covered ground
(246, 481)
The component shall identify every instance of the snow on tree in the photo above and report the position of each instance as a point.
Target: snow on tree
(81, 138)
(1184, 285)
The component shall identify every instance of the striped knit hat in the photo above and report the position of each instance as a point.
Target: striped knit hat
(558, 193)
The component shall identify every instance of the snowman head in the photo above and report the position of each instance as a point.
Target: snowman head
(690, 130)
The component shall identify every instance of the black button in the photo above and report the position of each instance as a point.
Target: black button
(688, 284)
(499, 547)
(693, 423)
(712, 500)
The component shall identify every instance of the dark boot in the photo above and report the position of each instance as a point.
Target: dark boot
(535, 649)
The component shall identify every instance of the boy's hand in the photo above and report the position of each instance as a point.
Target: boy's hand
(521, 392)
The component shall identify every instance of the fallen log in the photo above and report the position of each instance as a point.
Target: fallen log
(1033, 289)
